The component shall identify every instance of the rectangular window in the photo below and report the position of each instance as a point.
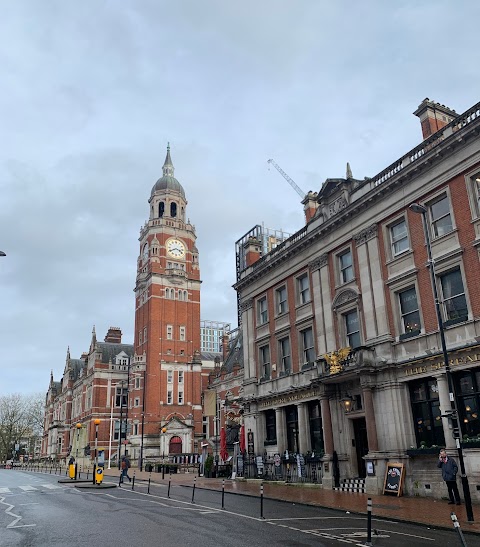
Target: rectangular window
(169, 332)
(281, 297)
(303, 288)
(180, 397)
(137, 401)
(169, 397)
(139, 337)
(440, 216)
(144, 334)
(135, 429)
(170, 376)
(137, 383)
(409, 311)
(270, 426)
(308, 349)
(345, 263)
(265, 361)
(262, 310)
(120, 396)
(352, 329)
(426, 412)
(284, 346)
(399, 238)
(182, 334)
(180, 376)
(454, 301)
(477, 192)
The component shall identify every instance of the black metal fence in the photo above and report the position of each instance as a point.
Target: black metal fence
(293, 470)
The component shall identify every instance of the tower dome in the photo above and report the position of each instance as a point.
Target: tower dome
(168, 181)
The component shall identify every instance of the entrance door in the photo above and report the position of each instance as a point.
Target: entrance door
(361, 444)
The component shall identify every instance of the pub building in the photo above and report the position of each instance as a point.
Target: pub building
(342, 348)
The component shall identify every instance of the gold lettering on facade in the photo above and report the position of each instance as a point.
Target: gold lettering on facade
(461, 360)
(288, 399)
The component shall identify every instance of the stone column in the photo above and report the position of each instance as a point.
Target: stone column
(327, 425)
(303, 428)
(445, 405)
(280, 427)
(370, 419)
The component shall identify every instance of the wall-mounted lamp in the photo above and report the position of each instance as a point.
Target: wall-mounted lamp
(348, 403)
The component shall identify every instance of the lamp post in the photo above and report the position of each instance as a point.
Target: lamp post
(164, 430)
(453, 414)
(143, 419)
(97, 423)
(121, 425)
(78, 425)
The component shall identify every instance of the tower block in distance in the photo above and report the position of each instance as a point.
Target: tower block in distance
(166, 374)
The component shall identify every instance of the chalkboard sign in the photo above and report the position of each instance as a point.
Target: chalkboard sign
(394, 476)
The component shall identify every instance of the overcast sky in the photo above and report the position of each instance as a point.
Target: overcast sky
(92, 91)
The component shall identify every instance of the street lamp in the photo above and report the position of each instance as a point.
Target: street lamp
(97, 423)
(121, 423)
(143, 418)
(453, 415)
(78, 425)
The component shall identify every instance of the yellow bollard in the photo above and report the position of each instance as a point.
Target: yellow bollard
(71, 470)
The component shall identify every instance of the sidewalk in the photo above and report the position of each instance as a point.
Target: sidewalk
(435, 513)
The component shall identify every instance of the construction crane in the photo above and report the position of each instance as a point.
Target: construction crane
(290, 181)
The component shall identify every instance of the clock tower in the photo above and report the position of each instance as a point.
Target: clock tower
(166, 373)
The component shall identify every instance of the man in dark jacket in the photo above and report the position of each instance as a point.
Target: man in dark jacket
(449, 469)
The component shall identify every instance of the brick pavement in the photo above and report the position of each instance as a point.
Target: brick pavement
(425, 511)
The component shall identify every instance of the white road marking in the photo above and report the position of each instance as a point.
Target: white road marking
(8, 511)
(27, 488)
(31, 503)
(51, 486)
(5, 490)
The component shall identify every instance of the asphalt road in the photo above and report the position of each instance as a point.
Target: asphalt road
(37, 511)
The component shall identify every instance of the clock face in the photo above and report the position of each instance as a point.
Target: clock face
(176, 248)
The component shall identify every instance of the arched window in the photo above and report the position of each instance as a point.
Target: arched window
(173, 209)
(175, 446)
(145, 252)
(161, 209)
(180, 295)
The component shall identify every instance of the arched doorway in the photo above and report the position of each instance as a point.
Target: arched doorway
(175, 446)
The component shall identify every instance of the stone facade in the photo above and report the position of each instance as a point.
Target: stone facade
(342, 349)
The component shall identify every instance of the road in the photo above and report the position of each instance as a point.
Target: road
(37, 511)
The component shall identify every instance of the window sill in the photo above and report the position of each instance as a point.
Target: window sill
(407, 335)
(451, 322)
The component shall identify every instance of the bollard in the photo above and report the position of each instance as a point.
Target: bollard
(163, 472)
(88, 472)
(120, 480)
(94, 473)
(169, 483)
(50, 470)
(148, 489)
(369, 522)
(223, 494)
(261, 500)
(456, 525)
(133, 481)
(193, 491)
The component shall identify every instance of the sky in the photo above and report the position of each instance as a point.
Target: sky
(92, 91)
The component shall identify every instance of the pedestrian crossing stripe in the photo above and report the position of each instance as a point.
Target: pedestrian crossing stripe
(29, 488)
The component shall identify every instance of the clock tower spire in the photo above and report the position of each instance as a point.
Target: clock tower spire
(167, 326)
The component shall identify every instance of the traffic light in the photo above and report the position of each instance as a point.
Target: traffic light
(86, 450)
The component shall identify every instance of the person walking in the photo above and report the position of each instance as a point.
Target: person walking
(449, 469)
(125, 466)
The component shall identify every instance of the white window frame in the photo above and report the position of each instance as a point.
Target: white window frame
(262, 310)
(144, 334)
(395, 240)
(180, 398)
(137, 382)
(265, 363)
(182, 333)
(169, 332)
(347, 334)
(444, 300)
(170, 376)
(169, 397)
(281, 305)
(180, 376)
(402, 315)
(434, 222)
(303, 291)
(136, 401)
(342, 269)
(285, 358)
(308, 354)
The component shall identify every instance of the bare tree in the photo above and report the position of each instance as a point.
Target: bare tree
(21, 420)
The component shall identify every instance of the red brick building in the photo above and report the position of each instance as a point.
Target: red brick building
(167, 365)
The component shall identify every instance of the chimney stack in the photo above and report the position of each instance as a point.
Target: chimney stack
(114, 335)
(433, 116)
(253, 250)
